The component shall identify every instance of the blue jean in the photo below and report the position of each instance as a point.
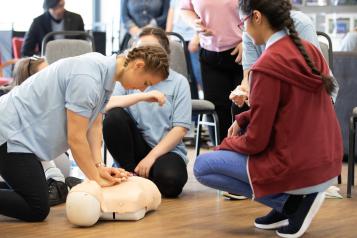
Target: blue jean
(196, 67)
(227, 171)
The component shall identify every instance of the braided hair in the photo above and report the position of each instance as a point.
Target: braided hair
(278, 14)
(155, 58)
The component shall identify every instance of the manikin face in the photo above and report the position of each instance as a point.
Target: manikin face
(58, 11)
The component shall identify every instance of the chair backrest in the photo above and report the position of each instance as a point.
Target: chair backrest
(325, 51)
(345, 72)
(326, 48)
(17, 43)
(63, 48)
(178, 58)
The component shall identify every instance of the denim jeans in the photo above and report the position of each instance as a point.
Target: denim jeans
(227, 171)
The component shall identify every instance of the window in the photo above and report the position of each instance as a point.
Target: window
(18, 14)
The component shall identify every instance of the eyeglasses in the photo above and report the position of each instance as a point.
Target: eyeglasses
(241, 23)
(33, 58)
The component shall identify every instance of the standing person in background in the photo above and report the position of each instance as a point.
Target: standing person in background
(176, 24)
(137, 14)
(349, 43)
(55, 18)
(221, 51)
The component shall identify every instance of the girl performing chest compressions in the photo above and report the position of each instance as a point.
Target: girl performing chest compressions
(60, 108)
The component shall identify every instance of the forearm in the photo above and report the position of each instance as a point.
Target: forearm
(189, 17)
(125, 100)
(94, 137)
(245, 81)
(169, 142)
(170, 19)
(83, 156)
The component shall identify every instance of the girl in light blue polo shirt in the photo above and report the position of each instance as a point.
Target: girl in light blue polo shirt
(60, 108)
(152, 146)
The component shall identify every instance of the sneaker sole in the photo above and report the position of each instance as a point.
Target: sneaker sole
(234, 197)
(272, 226)
(308, 219)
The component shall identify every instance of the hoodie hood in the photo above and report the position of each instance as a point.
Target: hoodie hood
(283, 61)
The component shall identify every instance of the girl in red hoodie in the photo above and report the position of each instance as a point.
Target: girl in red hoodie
(287, 149)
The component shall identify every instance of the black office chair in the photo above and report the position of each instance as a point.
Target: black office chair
(345, 71)
(351, 153)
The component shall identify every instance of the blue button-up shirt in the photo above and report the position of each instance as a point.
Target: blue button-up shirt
(33, 115)
(144, 12)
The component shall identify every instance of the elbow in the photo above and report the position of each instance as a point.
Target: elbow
(184, 132)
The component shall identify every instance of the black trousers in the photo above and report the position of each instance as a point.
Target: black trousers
(220, 75)
(25, 194)
(128, 147)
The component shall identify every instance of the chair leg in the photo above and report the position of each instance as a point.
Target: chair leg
(339, 179)
(351, 155)
(198, 135)
(353, 166)
(217, 132)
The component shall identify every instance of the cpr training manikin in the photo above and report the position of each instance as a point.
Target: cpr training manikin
(131, 200)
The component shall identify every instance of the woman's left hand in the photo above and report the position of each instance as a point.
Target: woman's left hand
(143, 168)
(239, 52)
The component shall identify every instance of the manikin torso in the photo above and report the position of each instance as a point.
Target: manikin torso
(131, 200)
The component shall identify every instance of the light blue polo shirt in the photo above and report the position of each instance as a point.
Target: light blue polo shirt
(33, 115)
(154, 121)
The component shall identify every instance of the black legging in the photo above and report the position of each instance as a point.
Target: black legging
(220, 75)
(26, 197)
(128, 147)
